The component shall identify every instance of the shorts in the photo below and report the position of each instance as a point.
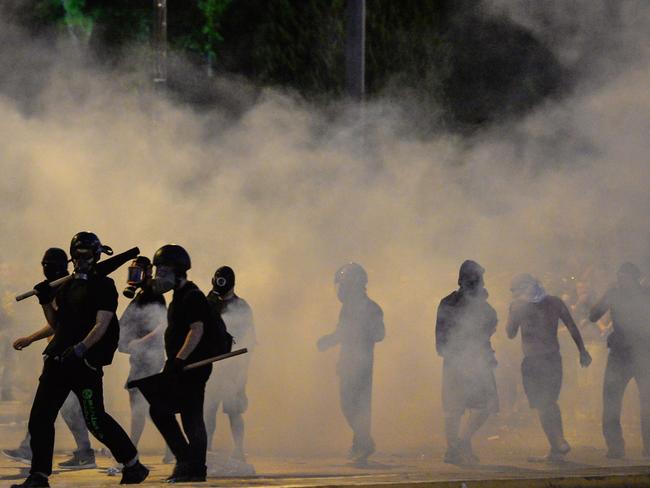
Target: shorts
(542, 379)
(466, 386)
(230, 394)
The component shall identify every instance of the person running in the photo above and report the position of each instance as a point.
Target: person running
(537, 315)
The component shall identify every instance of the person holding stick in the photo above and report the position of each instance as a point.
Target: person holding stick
(188, 338)
(82, 315)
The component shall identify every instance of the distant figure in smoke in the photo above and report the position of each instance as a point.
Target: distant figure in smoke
(361, 325)
(537, 315)
(141, 336)
(464, 327)
(81, 314)
(629, 306)
(228, 386)
(55, 266)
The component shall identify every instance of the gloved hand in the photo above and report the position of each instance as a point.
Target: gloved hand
(73, 354)
(174, 367)
(585, 358)
(44, 292)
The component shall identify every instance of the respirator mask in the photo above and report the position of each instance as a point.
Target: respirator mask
(164, 280)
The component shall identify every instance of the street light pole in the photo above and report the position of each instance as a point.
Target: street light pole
(160, 43)
(355, 49)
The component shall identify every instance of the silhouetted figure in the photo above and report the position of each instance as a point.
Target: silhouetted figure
(629, 306)
(361, 325)
(537, 314)
(82, 315)
(228, 386)
(188, 339)
(55, 266)
(464, 327)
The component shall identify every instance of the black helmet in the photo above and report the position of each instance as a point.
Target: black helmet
(85, 244)
(223, 280)
(55, 256)
(173, 255)
(352, 273)
(55, 263)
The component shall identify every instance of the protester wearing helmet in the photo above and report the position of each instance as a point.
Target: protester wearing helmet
(228, 388)
(85, 332)
(55, 266)
(629, 306)
(464, 326)
(537, 314)
(360, 326)
(187, 340)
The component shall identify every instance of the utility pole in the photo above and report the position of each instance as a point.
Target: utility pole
(355, 49)
(160, 43)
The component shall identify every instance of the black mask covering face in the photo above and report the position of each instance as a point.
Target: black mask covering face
(54, 271)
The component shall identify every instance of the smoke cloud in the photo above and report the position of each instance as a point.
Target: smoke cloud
(285, 193)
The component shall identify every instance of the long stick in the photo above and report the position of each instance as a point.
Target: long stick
(105, 268)
(207, 361)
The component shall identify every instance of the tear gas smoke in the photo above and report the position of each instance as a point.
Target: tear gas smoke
(285, 195)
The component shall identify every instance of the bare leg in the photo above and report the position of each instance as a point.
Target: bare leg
(237, 429)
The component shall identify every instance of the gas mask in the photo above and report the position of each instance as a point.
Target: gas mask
(84, 261)
(223, 281)
(138, 274)
(164, 280)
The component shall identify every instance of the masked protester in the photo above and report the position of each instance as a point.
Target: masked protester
(188, 338)
(81, 314)
(142, 326)
(55, 266)
(228, 386)
(629, 306)
(464, 327)
(537, 314)
(360, 326)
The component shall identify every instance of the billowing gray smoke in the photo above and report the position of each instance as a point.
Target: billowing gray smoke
(285, 196)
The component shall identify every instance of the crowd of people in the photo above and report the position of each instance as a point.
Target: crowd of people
(83, 333)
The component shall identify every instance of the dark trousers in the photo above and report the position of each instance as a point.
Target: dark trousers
(54, 386)
(191, 446)
(621, 368)
(74, 419)
(356, 399)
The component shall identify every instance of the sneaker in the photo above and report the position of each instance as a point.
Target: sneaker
(133, 475)
(181, 471)
(80, 460)
(453, 456)
(555, 457)
(186, 473)
(35, 480)
(21, 455)
(467, 453)
(615, 453)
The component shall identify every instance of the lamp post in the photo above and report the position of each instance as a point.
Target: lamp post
(160, 42)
